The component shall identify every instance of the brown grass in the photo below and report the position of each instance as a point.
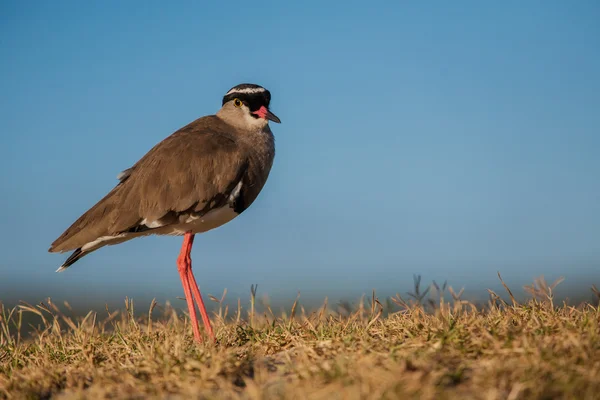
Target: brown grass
(443, 348)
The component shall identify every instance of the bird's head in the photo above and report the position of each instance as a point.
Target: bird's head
(247, 105)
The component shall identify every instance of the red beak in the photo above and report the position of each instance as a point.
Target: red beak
(264, 112)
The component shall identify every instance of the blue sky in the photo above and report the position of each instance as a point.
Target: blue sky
(450, 140)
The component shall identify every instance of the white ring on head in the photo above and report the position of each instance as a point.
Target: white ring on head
(246, 90)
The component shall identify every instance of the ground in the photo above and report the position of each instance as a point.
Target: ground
(443, 349)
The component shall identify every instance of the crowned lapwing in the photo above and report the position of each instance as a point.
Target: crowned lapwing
(199, 178)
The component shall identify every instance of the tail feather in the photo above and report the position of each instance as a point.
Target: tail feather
(98, 243)
(73, 258)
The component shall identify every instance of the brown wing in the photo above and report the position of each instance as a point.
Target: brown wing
(194, 167)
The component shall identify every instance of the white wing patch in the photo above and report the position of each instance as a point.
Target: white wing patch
(191, 218)
(235, 192)
(124, 174)
(152, 224)
(100, 240)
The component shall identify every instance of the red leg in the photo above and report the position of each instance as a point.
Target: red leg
(196, 292)
(183, 267)
(185, 257)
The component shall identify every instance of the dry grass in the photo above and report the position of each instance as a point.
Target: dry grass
(444, 348)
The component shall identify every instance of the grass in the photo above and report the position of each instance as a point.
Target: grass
(419, 347)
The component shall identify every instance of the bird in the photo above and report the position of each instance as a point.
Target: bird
(199, 178)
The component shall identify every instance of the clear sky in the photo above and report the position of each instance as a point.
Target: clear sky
(451, 140)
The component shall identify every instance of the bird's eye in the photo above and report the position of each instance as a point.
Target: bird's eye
(237, 102)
